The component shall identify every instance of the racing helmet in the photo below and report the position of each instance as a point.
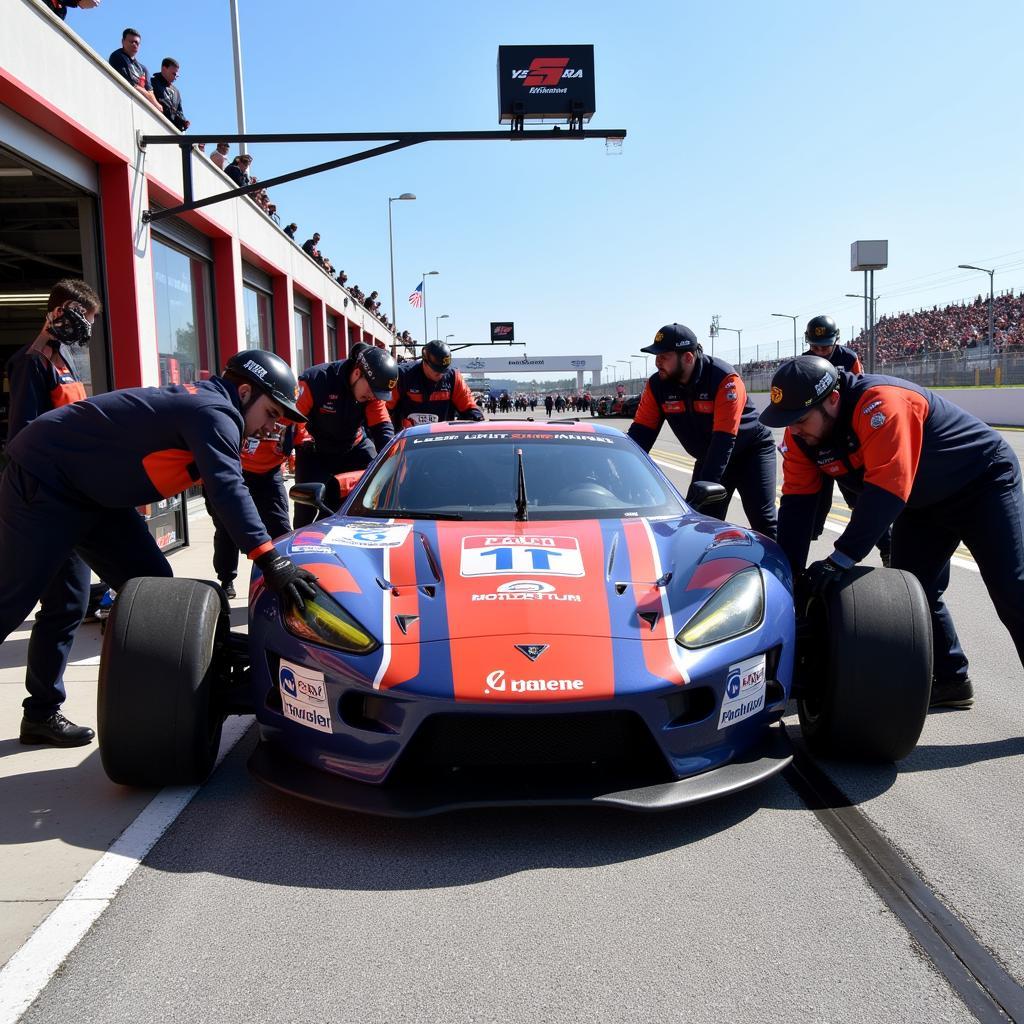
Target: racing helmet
(380, 370)
(673, 338)
(798, 386)
(437, 355)
(821, 330)
(272, 375)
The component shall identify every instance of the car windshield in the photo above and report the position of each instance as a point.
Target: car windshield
(475, 475)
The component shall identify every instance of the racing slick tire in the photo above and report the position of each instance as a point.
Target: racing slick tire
(866, 696)
(157, 721)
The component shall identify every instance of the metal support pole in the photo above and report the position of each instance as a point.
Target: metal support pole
(424, 279)
(236, 44)
(871, 344)
(394, 309)
(794, 337)
(186, 173)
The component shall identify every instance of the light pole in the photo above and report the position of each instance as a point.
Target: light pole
(391, 251)
(874, 302)
(790, 316)
(447, 336)
(426, 274)
(644, 358)
(627, 364)
(739, 341)
(437, 326)
(991, 314)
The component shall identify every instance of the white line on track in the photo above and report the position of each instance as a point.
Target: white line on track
(27, 973)
(960, 563)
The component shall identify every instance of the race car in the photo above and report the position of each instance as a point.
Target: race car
(529, 614)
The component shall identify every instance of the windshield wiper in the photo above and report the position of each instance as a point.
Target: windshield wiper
(520, 488)
(402, 513)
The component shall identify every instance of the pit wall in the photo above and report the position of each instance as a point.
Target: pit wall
(1001, 407)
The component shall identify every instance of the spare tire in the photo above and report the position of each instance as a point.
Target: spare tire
(866, 695)
(157, 720)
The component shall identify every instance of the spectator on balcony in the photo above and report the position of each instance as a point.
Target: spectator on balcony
(370, 302)
(272, 210)
(309, 246)
(169, 95)
(291, 229)
(61, 9)
(136, 73)
(220, 156)
(238, 170)
(342, 278)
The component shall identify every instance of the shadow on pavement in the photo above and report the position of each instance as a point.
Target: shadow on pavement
(239, 828)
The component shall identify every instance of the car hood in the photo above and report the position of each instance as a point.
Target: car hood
(416, 582)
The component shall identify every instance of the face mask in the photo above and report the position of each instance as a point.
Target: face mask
(69, 327)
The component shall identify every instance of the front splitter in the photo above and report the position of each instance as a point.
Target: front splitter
(269, 764)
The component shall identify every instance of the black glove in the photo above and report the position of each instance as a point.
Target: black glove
(289, 581)
(821, 575)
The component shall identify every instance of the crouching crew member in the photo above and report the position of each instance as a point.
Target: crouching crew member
(822, 337)
(42, 376)
(262, 458)
(925, 467)
(430, 391)
(348, 420)
(706, 405)
(76, 475)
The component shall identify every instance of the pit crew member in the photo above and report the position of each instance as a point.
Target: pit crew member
(42, 376)
(348, 422)
(431, 391)
(706, 406)
(934, 473)
(77, 473)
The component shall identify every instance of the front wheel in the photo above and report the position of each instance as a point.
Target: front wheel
(158, 721)
(866, 696)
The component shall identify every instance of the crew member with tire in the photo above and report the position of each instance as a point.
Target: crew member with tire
(42, 376)
(706, 406)
(933, 472)
(822, 337)
(262, 458)
(431, 391)
(348, 422)
(77, 473)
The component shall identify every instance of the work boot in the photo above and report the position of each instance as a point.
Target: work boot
(56, 731)
(952, 695)
(228, 586)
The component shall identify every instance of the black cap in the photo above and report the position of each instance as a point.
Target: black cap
(379, 369)
(272, 375)
(797, 387)
(437, 355)
(673, 338)
(821, 330)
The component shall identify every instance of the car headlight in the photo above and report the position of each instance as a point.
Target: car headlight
(736, 607)
(324, 621)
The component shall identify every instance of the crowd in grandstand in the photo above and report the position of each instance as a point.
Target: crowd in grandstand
(164, 95)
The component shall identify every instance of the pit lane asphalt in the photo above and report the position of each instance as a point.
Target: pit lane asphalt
(257, 907)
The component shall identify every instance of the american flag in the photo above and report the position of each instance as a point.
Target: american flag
(416, 297)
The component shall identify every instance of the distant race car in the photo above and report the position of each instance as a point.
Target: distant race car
(529, 614)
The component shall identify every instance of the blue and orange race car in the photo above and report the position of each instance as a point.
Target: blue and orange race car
(512, 613)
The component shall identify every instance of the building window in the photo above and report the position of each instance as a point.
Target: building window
(259, 319)
(303, 340)
(184, 316)
(332, 339)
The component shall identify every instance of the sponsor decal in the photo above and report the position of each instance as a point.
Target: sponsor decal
(578, 363)
(668, 408)
(304, 696)
(877, 420)
(475, 364)
(421, 417)
(260, 371)
(744, 691)
(526, 590)
(545, 73)
(368, 535)
(872, 406)
(497, 683)
(533, 554)
(658, 336)
(776, 395)
(310, 549)
(823, 385)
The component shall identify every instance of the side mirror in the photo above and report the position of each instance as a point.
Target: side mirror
(310, 494)
(704, 495)
(347, 481)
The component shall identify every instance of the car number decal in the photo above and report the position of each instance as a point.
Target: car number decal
(536, 555)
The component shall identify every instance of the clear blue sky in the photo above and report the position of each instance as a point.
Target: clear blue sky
(763, 139)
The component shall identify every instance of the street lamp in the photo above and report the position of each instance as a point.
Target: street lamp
(391, 251)
(739, 336)
(447, 336)
(426, 274)
(644, 358)
(627, 364)
(437, 326)
(991, 313)
(858, 295)
(790, 316)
